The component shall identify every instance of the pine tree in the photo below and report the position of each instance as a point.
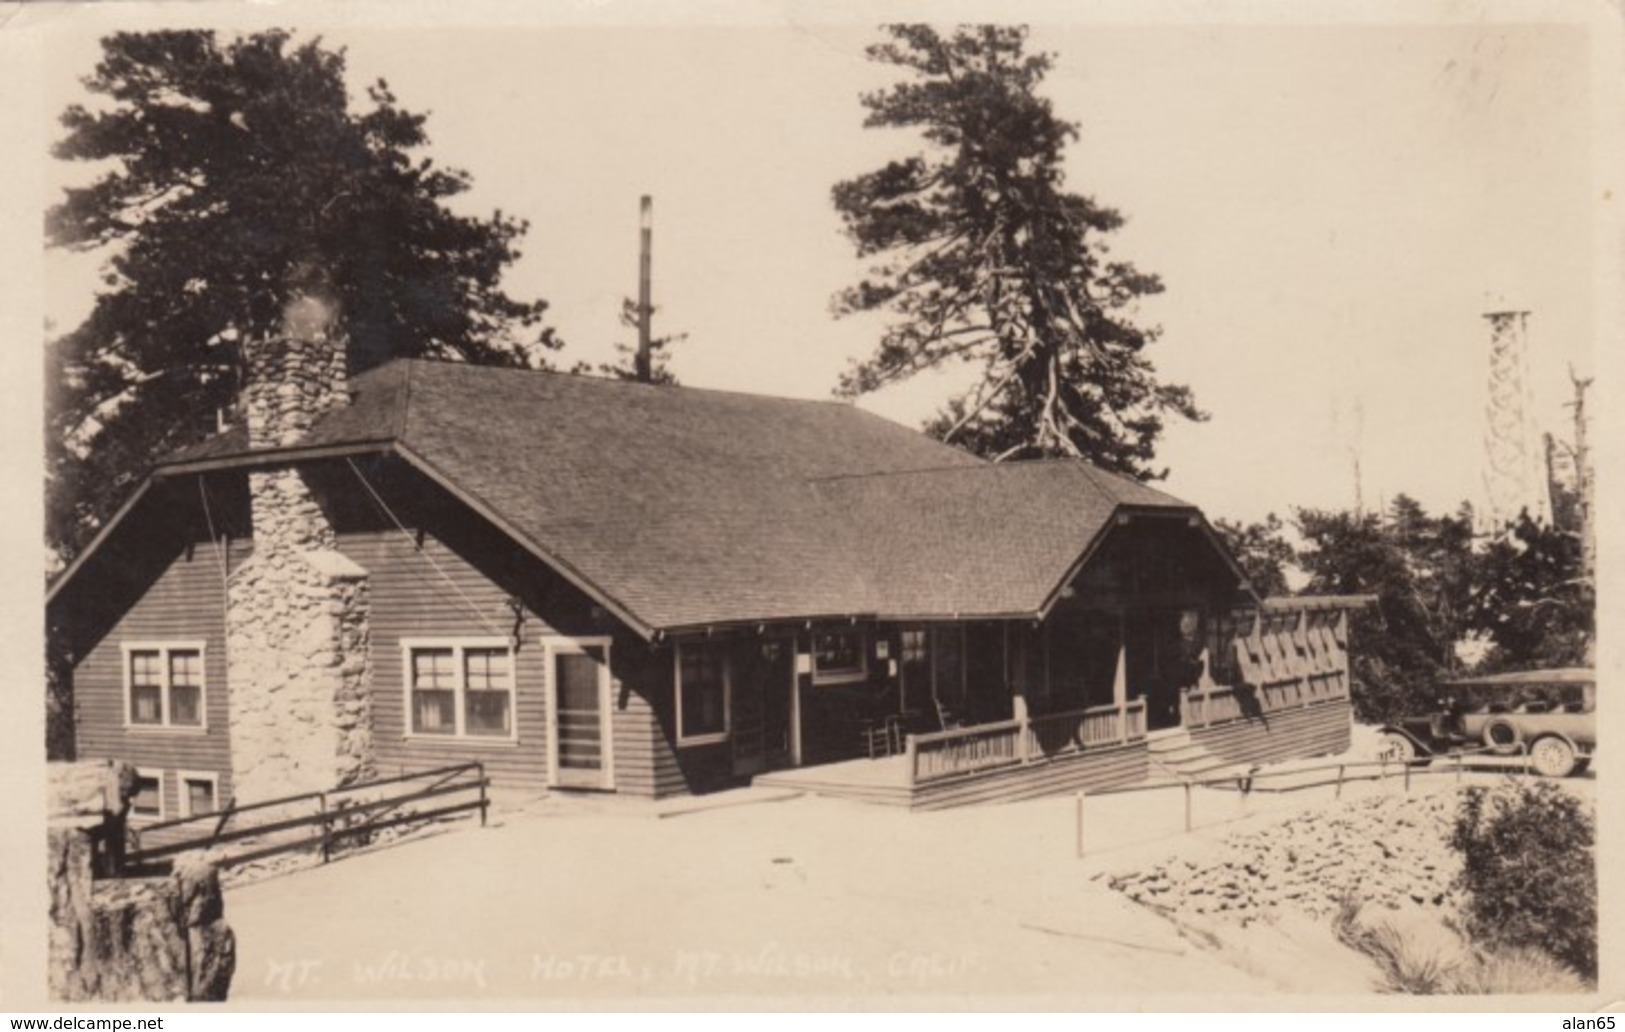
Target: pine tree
(236, 167)
(982, 256)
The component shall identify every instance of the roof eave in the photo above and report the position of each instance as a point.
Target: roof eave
(581, 581)
(698, 628)
(61, 581)
(250, 459)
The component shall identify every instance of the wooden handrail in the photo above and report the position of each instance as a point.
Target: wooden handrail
(1016, 741)
(968, 731)
(374, 811)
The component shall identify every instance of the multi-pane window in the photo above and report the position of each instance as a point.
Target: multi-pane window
(461, 689)
(915, 646)
(165, 685)
(186, 687)
(487, 695)
(434, 692)
(702, 692)
(839, 656)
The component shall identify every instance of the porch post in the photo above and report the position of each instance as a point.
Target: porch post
(795, 701)
(1120, 691)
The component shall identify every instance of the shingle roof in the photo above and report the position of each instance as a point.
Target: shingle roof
(690, 507)
(981, 540)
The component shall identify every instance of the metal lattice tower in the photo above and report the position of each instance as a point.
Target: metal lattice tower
(1514, 468)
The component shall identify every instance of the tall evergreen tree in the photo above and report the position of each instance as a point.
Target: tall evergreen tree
(982, 256)
(625, 366)
(235, 168)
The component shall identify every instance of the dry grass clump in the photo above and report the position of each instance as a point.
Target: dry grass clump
(1430, 959)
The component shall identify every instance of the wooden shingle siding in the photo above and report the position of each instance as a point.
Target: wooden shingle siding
(674, 771)
(1320, 729)
(431, 592)
(185, 603)
(452, 575)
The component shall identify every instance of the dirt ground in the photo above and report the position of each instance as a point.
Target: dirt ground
(759, 898)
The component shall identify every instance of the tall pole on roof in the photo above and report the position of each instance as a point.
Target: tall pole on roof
(643, 366)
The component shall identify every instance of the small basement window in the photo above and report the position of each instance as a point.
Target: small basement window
(148, 802)
(163, 684)
(702, 693)
(460, 689)
(199, 792)
(839, 656)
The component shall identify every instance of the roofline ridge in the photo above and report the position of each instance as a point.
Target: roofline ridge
(1113, 479)
(635, 385)
(900, 472)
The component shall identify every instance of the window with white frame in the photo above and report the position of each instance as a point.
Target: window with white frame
(147, 804)
(163, 684)
(839, 656)
(199, 792)
(702, 693)
(460, 689)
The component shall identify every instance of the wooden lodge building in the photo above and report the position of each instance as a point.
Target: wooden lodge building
(590, 584)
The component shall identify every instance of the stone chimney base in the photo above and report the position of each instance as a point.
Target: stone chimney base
(300, 708)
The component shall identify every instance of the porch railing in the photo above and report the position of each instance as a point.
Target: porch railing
(1204, 707)
(1007, 743)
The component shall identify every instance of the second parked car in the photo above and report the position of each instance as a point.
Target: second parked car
(1548, 713)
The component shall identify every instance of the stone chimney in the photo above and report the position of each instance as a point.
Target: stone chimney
(298, 610)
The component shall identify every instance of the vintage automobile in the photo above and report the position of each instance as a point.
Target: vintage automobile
(1548, 713)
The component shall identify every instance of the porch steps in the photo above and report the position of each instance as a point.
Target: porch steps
(1175, 756)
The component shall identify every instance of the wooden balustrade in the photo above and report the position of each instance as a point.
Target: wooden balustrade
(983, 747)
(1222, 703)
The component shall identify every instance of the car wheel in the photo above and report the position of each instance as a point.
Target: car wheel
(1502, 737)
(1552, 757)
(1393, 747)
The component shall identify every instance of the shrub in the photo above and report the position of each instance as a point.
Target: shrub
(1529, 873)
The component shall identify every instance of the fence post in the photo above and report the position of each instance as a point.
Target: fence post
(1187, 804)
(1458, 766)
(1407, 779)
(1080, 824)
(479, 768)
(1339, 793)
(327, 826)
(911, 756)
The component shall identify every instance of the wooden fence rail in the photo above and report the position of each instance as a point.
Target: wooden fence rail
(337, 815)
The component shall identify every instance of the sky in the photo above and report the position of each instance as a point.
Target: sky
(1329, 205)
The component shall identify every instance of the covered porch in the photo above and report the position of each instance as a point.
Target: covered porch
(1257, 685)
(1018, 758)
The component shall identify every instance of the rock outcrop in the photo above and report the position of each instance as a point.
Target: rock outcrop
(1386, 851)
(158, 938)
